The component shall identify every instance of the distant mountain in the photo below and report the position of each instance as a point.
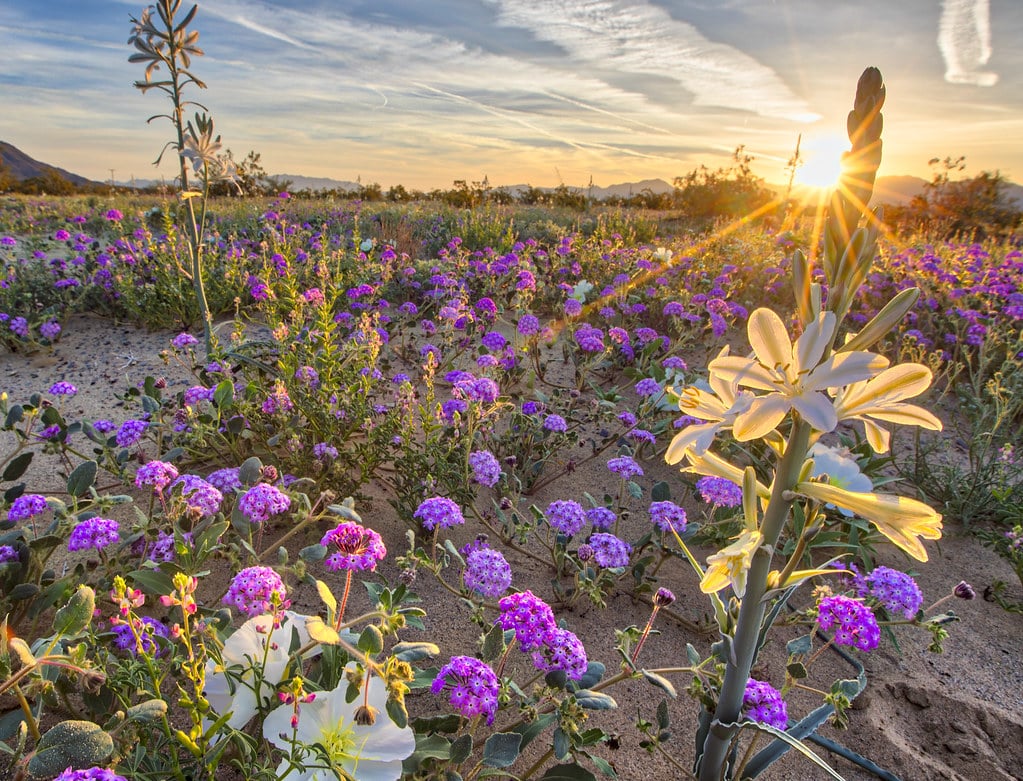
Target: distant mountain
(315, 183)
(22, 167)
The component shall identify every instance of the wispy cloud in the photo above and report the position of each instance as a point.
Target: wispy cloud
(964, 37)
(634, 36)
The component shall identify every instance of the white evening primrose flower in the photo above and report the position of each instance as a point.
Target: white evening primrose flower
(794, 375)
(882, 399)
(901, 519)
(840, 470)
(731, 564)
(329, 743)
(231, 686)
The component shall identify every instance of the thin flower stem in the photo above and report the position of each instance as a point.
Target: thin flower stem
(344, 601)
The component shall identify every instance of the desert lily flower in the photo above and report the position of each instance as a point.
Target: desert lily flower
(901, 519)
(882, 398)
(719, 406)
(331, 740)
(795, 376)
(731, 564)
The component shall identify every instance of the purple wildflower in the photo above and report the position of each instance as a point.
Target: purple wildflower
(262, 501)
(486, 470)
(625, 466)
(147, 629)
(354, 547)
(439, 512)
(95, 533)
(555, 423)
(183, 341)
(225, 480)
(487, 572)
(494, 341)
(324, 452)
(50, 330)
(529, 616)
(589, 339)
(528, 325)
(852, 621)
(609, 551)
(91, 774)
(573, 307)
(562, 650)
(8, 553)
(473, 684)
(601, 517)
(27, 506)
(158, 474)
(200, 495)
(63, 389)
(763, 703)
(113, 215)
(253, 589)
(648, 386)
(566, 516)
(719, 492)
(667, 516)
(131, 432)
(896, 591)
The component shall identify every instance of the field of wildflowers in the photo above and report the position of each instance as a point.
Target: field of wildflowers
(179, 570)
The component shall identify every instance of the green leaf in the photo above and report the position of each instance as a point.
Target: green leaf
(461, 748)
(327, 597)
(502, 749)
(371, 640)
(663, 717)
(661, 492)
(23, 591)
(532, 729)
(594, 672)
(148, 712)
(692, 654)
(592, 700)
(76, 615)
(634, 489)
(796, 670)
(493, 644)
(223, 396)
(572, 772)
(152, 581)
(560, 745)
(396, 710)
(660, 682)
(450, 722)
(346, 510)
(414, 652)
(70, 744)
(320, 632)
(799, 646)
(798, 745)
(431, 747)
(17, 467)
(14, 415)
(249, 471)
(82, 478)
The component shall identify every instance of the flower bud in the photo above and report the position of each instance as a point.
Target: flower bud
(964, 590)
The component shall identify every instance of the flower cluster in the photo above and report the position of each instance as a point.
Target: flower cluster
(473, 685)
(140, 635)
(529, 616)
(561, 650)
(263, 501)
(486, 469)
(609, 551)
(27, 506)
(853, 622)
(566, 516)
(354, 547)
(91, 774)
(763, 703)
(667, 516)
(158, 474)
(199, 495)
(719, 492)
(601, 517)
(439, 512)
(896, 591)
(131, 432)
(95, 533)
(625, 466)
(487, 572)
(253, 591)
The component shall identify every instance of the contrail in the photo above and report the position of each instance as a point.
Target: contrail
(964, 37)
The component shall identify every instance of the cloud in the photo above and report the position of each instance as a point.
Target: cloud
(964, 37)
(633, 36)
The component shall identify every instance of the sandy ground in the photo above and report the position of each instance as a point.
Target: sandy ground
(958, 715)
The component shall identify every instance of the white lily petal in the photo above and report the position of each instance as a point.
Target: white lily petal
(845, 368)
(743, 371)
(817, 410)
(812, 343)
(763, 416)
(769, 339)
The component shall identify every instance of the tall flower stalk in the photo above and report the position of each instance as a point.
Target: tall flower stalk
(788, 394)
(161, 40)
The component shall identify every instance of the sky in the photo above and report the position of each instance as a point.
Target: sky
(541, 92)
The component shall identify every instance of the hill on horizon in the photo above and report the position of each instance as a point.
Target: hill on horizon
(23, 167)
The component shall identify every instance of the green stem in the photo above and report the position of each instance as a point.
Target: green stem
(713, 754)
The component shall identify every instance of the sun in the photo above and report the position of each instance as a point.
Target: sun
(821, 161)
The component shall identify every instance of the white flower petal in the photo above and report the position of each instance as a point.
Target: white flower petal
(812, 343)
(769, 339)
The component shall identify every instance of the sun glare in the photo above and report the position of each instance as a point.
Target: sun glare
(821, 161)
